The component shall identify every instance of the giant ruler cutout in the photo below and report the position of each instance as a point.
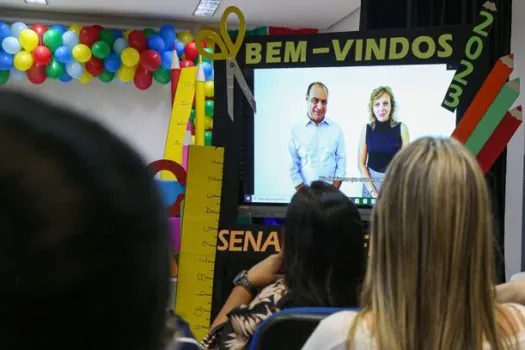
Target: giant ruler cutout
(199, 237)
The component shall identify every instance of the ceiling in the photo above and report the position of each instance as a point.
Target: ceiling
(289, 13)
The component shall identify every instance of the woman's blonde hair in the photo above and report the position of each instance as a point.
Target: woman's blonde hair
(430, 278)
(377, 93)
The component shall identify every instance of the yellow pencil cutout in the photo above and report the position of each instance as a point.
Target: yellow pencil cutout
(200, 101)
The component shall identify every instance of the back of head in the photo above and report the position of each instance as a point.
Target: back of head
(430, 277)
(84, 259)
(323, 247)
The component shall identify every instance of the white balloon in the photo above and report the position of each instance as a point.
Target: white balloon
(119, 45)
(17, 28)
(74, 69)
(17, 74)
(11, 45)
(70, 39)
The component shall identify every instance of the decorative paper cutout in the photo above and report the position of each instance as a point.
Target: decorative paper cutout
(499, 139)
(199, 237)
(484, 98)
(180, 175)
(507, 96)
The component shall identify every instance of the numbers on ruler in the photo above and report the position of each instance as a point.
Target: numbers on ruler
(208, 244)
(200, 311)
(204, 294)
(214, 178)
(218, 162)
(212, 195)
(203, 277)
(201, 326)
(207, 261)
(209, 229)
(212, 211)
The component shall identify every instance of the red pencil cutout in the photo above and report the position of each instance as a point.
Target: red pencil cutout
(487, 93)
(175, 74)
(499, 139)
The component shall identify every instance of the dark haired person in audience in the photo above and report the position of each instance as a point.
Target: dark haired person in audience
(321, 264)
(317, 144)
(84, 259)
(381, 138)
(430, 275)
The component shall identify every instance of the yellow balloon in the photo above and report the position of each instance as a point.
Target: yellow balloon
(130, 57)
(75, 28)
(86, 77)
(185, 37)
(208, 123)
(29, 39)
(127, 32)
(126, 73)
(209, 89)
(82, 53)
(23, 61)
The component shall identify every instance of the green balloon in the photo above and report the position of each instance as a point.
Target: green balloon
(207, 138)
(4, 76)
(192, 116)
(52, 39)
(209, 50)
(55, 69)
(209, 107)
(107, 36)
(101, 49)
(162, 75)
(106, 76)
(149, 32)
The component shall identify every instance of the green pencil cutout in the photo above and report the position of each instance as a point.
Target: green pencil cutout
(507, 96)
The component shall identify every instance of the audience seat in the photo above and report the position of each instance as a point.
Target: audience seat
(289, 329)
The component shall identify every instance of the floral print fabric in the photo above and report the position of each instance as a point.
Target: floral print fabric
(236, 333)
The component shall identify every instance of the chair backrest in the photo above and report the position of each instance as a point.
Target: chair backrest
(290, 328)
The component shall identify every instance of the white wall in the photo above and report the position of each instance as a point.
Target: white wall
(139, 117)
(348, 24)
(515, 154)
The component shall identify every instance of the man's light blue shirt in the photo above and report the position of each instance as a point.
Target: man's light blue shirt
(317, 152)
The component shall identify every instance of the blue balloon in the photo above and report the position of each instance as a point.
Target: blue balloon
(59, 28)
(168, 34)
(112, 63)
(11, 45)
(208, 70)
(74, 69)
(65, 78)
(117, 33)
(70, 39)
(156, 43)
(167, 57)
(6, 61)
(63, 54)
(179, 46)
(119, 45)
(5, 31)
(17, 74)
(17, 28)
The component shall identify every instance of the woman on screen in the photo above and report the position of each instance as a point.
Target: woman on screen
(381, 138)
(430, 276)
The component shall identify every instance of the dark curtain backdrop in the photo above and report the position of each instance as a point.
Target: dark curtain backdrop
(386, 14)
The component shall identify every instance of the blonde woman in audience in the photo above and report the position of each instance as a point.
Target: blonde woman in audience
(430, 279)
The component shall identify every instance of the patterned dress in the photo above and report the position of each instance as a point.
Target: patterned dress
(236, 333)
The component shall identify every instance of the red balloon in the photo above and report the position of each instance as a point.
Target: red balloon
(88, 36)
(191, 51)
(98, 28)
(150, 60)
(95, 66)
(203, 42)
(40, 29)
(137, 40)
(41, 55)
(37, 74)
(186, 64)
(143, 78)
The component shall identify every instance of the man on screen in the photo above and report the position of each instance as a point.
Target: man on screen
(317, 145)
